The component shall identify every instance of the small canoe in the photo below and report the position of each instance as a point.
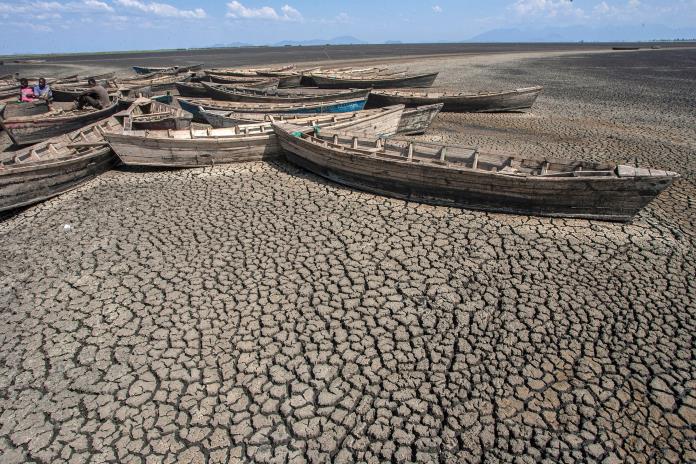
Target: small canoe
(248, 72)
(222, 119)
(357, 81)
(147, 114)
(511, 100)
(218, 92)
(47, 169)
(194, 105)
(191, 89)
(21, 109)
(416, 121)
(252, 142)
(469, 178)
(34, 129)
(157, 84)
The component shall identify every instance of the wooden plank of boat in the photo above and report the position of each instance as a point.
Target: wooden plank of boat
(147, 114)
(34, 129)
(70, 93)
(47, 169)
(218, 92)
(469, 178)
(286, 80)
(247, 72)
(194, 105)
(222, 119)
(510, 100)
(416, 121)
(377, 82)
(253, 142)
(20, 109)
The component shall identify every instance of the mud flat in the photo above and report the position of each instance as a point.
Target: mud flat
(258, 313)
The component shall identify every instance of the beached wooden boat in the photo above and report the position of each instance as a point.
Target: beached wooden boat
(379, 81)
(286, 79)
(248, 72)
(191, 89)
(34, 129)
(469, 178)
(47, 169)
(66, 93)
(147, 114)
(219, 92)
(21, 109)
(101, 77)
(244, 81)
(194, 105)
(157, 84)
(253, 142)
(511, 100)
(416, 121)
(222, 119)
(152, 69)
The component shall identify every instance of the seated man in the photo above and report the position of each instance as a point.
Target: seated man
(42, 91)
(95, 96)
(26, 93)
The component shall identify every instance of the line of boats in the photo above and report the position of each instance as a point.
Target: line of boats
(324, 128)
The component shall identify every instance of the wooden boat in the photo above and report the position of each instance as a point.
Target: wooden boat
(47, 169)
(191, 89)
(35, 129)
(247, 72)
(488, 102)
(152, 69)
(147, 114)
(194, 105)
(469, 178)
(101, 77)
(21, 109)
(222, 119)
(244, 81)
(218, 92)
(157, 84)
(416, 121)
(286, 79)
(71, 93)
(351, 81)
(253, 142)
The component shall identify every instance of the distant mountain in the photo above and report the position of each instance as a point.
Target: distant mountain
(643, 32)
(232, 45)
(393, 42)
(343, 40)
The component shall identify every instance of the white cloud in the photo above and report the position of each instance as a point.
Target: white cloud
(437, 9)
(84, 6)
(238, 11)
(548, 8)
(162, 9)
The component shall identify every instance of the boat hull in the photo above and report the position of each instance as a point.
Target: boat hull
(26, 132)
(343, 107)
(191, 90)
(23, 109)
(485, 103)
(417, 120)
(588, 198)
(186, 153)
(241, 96)
(376, 82)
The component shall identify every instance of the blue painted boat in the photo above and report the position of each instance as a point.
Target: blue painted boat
(194, 106)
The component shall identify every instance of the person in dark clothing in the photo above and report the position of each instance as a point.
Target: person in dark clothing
(95, 96)
(42, 91)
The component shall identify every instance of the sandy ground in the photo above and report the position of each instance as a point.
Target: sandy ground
(256, 312)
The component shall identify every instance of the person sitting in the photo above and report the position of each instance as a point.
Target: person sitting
(42, 91)
(95, 96)
(26, 93)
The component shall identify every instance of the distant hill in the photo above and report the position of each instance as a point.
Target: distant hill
(643, 32)
(343, 40)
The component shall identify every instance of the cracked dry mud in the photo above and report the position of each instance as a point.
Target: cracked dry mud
(258, 313)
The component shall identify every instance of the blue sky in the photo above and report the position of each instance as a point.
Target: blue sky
(91, 25)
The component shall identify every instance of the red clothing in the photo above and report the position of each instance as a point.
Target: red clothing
(26, 94)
